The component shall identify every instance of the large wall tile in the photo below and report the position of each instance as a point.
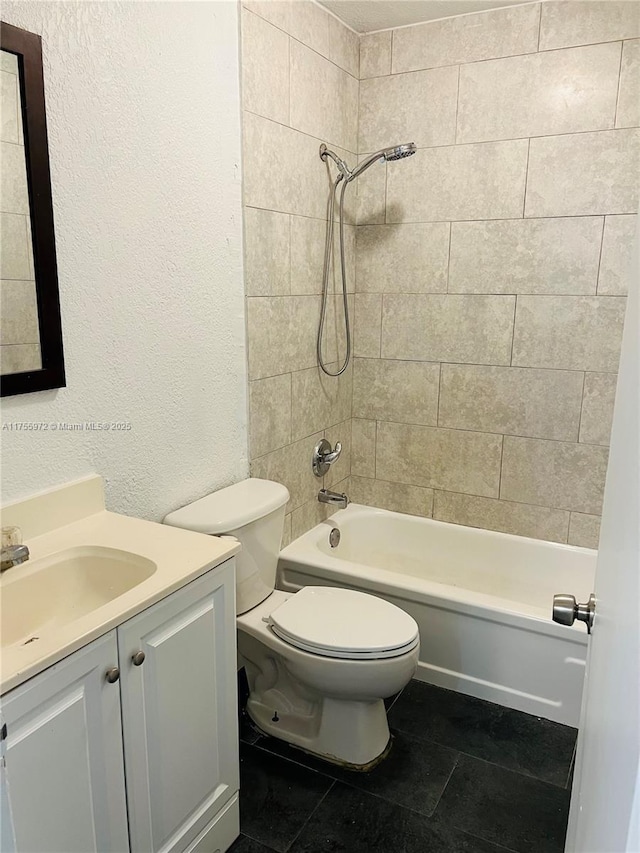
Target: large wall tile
(334, 336)
(266, 252)
(483, 181)
(395, 497)
(530, 103)
(309, 23)
(525, 256)
(324, 99)
(319, 401)
(584, 530)
(628, 114)
(511, 400)
(307, 254)
(435, 327)
(569, 332)
(573, 22)
(269, 414)
(305, 193)
(307, 516)
(449, 459)
(597, 407)
(371, 191)
(281, 334)
(344, 47)
(363, 447)
(308, 238)
(375, 54)
(553, 473)
(617, 249)
(367, 325)
(291, 466)
(467, 38)
(265, 56)
(341, 468)
(277, 12)
(268, 324)
(389, 112)
(405, 391)
(538, 522)
(404, 258)
(584, 173)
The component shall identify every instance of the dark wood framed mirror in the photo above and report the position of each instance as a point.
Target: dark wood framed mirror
(31, 350)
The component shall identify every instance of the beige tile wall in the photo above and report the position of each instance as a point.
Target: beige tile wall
(487, 273)
(491, 266)
(300, 84)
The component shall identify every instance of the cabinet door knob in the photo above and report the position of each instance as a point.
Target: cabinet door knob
(112, 674)
(138, 658)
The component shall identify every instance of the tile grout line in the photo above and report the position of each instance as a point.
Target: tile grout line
(539, 26)
(615, 114)
(604, 223)
(513, 334)
(584, 385)
(446, 784)
(455, 129)
(449, 256)
(304, 44)
(321, 801)
(436, 221)
(526, 179)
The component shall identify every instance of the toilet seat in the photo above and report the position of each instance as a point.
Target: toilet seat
(343, 623)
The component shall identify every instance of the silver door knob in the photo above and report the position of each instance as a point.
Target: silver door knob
(137, 659)
(112, 674)
(566, 610)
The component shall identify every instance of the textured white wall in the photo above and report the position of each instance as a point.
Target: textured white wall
(143, 111)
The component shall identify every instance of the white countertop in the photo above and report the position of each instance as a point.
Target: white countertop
(180, 556)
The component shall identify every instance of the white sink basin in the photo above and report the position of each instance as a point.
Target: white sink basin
(52, 592)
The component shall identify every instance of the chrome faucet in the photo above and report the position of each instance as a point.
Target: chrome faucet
(339, 499)
(13, 551)
(324, 456)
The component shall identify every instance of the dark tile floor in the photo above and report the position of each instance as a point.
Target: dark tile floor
(463, 776)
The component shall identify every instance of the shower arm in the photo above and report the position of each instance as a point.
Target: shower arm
(345, 171)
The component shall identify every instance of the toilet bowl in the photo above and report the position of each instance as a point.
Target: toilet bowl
(319, 662)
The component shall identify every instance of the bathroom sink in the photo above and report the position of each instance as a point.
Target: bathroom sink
(46, 594)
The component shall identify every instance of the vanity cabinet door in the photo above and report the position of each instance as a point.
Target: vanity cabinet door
(64, 770)
(178, 663)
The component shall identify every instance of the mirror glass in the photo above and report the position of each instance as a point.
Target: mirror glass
(19, 330)
(31, 347)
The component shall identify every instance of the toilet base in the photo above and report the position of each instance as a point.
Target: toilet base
(351, 734)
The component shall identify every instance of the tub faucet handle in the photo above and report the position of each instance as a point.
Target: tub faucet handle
(324, 456)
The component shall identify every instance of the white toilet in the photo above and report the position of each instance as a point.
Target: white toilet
(319, 662)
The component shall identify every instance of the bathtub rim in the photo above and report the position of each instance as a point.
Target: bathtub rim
(299, 555)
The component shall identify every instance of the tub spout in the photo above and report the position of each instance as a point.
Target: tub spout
(338, 499)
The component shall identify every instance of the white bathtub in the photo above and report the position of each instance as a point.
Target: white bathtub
(482, 601)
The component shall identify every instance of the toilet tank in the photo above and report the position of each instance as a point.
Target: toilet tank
(252, 511)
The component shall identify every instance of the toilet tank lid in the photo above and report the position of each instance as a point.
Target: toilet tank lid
(230, 508)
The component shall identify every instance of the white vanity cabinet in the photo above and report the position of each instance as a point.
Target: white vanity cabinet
(144, 763)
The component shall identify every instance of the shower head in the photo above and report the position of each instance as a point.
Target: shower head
(398, 152)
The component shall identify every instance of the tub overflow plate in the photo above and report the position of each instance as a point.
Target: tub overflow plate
(334, 538)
